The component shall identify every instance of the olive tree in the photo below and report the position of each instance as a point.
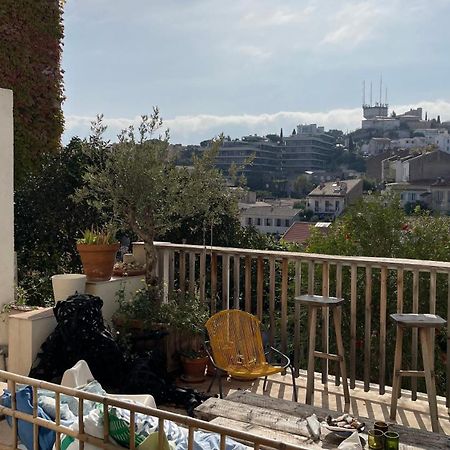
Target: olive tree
(136, 183)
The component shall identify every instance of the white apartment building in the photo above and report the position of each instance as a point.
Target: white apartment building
(329, 200)
(267, 218)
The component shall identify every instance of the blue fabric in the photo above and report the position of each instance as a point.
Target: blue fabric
(24, 403)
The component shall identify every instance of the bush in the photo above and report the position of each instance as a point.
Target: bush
(47, 222)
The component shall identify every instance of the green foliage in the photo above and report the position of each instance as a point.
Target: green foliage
(31, 36)
(137, 184)
(98, 236)
(47, 221)
(371, 227)
(182, 312)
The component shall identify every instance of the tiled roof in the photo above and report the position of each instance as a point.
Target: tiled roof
(298, 232)
(332, 188)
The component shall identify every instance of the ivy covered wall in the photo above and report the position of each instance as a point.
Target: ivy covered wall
(31, 34)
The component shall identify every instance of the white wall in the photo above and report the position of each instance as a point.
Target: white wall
(6, 203)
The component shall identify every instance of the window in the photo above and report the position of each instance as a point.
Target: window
(337, 205)
(258, 221)
(278, 222)
(327, 205)
(268, 222)
(439, 196)
(412, 196)
(286, 222)
(249, 221)
(316, 205)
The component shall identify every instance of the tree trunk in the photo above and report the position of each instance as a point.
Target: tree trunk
(151, 258)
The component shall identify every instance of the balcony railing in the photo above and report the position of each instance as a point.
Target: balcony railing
(266, 282)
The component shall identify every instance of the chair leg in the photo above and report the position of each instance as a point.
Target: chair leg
(265, 384)
(311, 350)
(340, 348)
(396, 377)
(426, 341)
(219, 374)
(294, 386)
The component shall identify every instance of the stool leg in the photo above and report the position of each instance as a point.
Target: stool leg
(426, 340)
(337, 318)
(311, 350)
(396, 378)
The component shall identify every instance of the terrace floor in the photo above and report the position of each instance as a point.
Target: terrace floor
(370, 404)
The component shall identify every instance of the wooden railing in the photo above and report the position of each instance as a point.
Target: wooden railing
(266, 282)
(188, 423)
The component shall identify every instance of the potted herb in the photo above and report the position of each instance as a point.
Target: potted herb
(98, 249)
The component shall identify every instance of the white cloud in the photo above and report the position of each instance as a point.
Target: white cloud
(254, 52)
(194, 128)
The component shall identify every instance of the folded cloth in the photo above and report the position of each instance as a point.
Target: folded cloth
(24, 403)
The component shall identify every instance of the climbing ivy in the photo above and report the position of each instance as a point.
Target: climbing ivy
(31, 34)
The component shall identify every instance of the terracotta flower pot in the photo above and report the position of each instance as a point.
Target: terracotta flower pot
(194, 369)
(98, 260)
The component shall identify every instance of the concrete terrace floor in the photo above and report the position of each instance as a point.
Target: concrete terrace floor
(371, 404)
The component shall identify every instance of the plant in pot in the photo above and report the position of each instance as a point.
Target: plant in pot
(98, 248)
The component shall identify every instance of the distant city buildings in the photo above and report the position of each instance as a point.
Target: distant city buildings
(263, 161)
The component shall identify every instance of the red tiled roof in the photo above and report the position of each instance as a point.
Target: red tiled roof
(298, 232)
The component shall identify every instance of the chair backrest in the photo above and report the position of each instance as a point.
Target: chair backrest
(235, 339)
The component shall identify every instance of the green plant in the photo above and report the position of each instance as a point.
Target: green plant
(98, 236)
(185, 313)
(137, 183)
(31, 35)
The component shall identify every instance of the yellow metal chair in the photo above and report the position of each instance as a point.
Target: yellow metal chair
(237, 348)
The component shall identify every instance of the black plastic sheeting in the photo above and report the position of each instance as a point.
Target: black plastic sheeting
(81, 333)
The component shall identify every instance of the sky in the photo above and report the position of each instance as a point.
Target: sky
(250, 66)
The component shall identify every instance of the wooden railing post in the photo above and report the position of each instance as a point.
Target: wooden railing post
(226, 282)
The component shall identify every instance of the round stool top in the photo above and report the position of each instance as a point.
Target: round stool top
(319, 300)
(419, 320)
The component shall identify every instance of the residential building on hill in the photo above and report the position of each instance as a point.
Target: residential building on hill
(329, 200)
(308, 149)
(268, 218)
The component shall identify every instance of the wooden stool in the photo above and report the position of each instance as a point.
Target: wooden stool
(426, 323)
(314, 302)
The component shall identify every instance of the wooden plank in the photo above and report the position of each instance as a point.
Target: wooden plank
(202, 275)
(236, 280)
(325, 320)
(226, 282)
(171, 272)
(337, 378)
(258, 430)
(248, 284)
(276, 420)
(410, 438)
(182, 272)
(400, 289)
(367, 328)
(213, 283)
(353, 300)
(259, 287)
(383, 313)
(272, 300)
(192, 274)
(433, 301)
(297, 312)
(311, 267)
(284, 299)
(166, 275)
(415, 334)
